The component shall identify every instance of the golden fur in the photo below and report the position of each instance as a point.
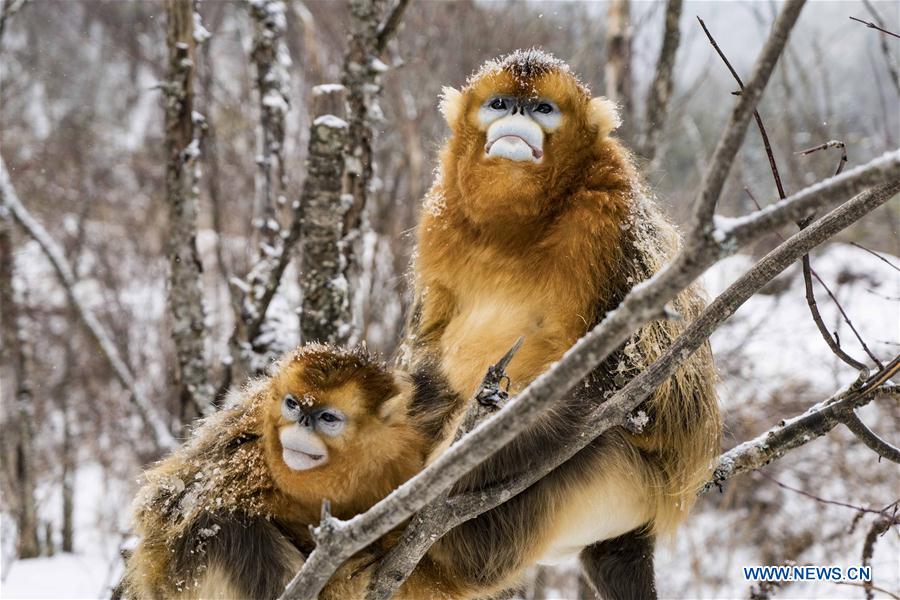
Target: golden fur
(226, 497)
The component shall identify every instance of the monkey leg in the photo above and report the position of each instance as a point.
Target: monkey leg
(621, 568)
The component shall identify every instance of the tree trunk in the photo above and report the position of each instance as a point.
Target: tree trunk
(618, 61)
(182, 175)
(325, 314)
(15, 362)
(68, 478)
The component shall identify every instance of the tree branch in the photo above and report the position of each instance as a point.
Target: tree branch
(814, 423)
(160, 434)
(387, 29)
(869, 438)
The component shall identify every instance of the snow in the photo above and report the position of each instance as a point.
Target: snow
(100, 515)
(331, 121)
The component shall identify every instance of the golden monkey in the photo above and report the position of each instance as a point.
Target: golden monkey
(537, 225)
(228, 515)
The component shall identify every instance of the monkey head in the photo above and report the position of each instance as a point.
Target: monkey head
(336, 426)
(524, 130)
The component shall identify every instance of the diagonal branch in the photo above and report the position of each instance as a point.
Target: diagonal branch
(152, 420)
(387, 29)
(814, 423)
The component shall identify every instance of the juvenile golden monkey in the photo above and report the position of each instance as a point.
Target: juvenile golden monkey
(228, 515)
(537, 225)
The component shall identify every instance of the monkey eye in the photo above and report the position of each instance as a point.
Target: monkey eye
(330, 422)
(544, 108)
(290, 407)
(329, 417)
(498, 104)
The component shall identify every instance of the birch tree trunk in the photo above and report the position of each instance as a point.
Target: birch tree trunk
(182, 176)
(15, 363)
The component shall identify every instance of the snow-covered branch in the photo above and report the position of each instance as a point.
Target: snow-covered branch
(155, 423)
(814, 423)
(182, 142)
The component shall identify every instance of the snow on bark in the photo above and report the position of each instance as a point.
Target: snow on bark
(183, 128)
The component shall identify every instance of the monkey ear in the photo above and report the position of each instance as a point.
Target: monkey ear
(603, 114)
(392, 408)
(450, 104)
(395, 407)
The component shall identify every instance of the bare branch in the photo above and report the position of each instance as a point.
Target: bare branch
(762, 129)
(860, 509)
(733, 135)
(160, 434)
(869, 438)
(830, 144)
(876, 255)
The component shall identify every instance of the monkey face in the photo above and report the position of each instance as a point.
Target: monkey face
(334, 418)
(523, 129)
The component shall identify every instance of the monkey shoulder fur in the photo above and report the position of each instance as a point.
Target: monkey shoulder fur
(228, 514)
(537, 225)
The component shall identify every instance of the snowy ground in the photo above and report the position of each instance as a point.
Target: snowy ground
(774, 364)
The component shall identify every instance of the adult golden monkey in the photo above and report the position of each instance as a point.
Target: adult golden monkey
(537, 226)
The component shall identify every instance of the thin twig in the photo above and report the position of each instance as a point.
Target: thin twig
(880, 512)
(759, 123)
(872, 25)
(842, 161)
(877, 255)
